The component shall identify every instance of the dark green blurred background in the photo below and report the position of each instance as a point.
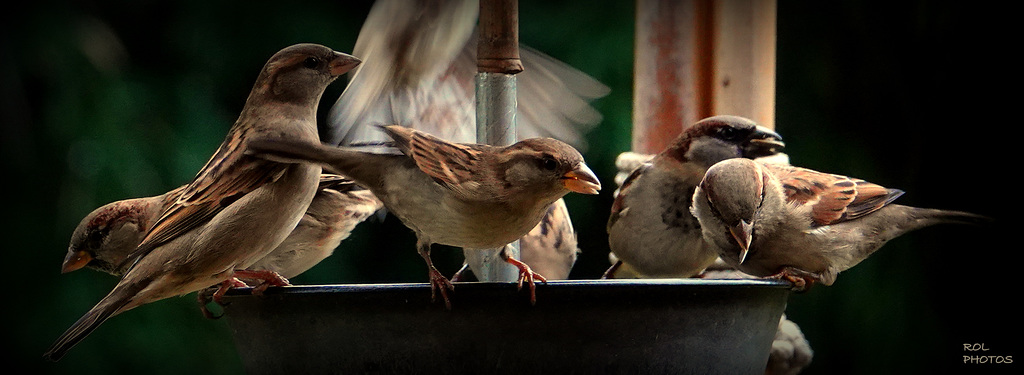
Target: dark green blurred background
(103, 101)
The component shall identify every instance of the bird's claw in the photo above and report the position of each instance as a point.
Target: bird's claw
(207, 295)
(801, 280)
(439, 283)
(268, 278)
(527, 274)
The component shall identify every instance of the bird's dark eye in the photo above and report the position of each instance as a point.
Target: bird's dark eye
(311, 62)
(548, 163)
(728, 133)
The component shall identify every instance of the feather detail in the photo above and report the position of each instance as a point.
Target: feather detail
(226, 177)
(451, 165)
(619, 205)
(833, 198)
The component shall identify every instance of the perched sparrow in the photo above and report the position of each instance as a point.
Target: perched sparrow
(467, 195)
(550, 248)
(338, 206)
(239, 207)
(651, 231)
(106, 236)
(423, 77)
(799, 224)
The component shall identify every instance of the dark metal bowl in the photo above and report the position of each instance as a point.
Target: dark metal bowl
(687, 326)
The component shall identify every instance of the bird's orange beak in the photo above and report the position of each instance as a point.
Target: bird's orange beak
(342, 63)
(75, 260)
(581, 180)
(742, 233)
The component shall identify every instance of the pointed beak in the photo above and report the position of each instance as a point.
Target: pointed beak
(763, 142)
(581, 180)
(75, 260)
(742, 233)
(342, 63)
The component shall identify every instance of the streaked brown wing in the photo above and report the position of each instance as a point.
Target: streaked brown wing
(619, 202)
(226, 177)
(833, 198)
(450, 164)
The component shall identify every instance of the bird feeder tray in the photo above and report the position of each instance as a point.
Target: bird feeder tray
(677, 326)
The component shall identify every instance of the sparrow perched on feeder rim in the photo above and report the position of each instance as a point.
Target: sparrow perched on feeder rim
(467, 195)
(239, 207)
(650, 230)
(799, 224)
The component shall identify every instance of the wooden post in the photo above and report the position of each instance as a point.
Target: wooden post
(497, 64)
(699, 58)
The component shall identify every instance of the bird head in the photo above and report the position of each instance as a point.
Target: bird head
(718, 138)
(548, 166)
(105, 237)
(735, 190)
(301, 72)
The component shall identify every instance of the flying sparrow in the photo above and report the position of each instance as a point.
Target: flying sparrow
(466, 195)
(650, 230)
(239, 207)
(802, 225)
(423, 77)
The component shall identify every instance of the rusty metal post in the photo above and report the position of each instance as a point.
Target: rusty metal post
(668, 70)
(744, 60)
(497, 64)
(699, 58)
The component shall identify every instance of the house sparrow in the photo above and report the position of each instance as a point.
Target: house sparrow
(423, 76)
(550, 248)
(105, 237)
(802, 225)
(238, 208)
(650, 230)
(466, 195)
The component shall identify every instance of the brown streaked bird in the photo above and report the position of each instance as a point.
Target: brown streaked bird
(467, 195)
(805, 226)
(651, 232)
(239, 207)
(105, 237)
(423, 76)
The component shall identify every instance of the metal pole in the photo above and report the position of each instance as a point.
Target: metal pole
(497, 64)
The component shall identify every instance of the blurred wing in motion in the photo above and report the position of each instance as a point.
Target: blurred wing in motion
(420, 73)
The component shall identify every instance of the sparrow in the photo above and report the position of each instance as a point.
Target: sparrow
(239, 207)
(550, 248)
(651, 232)
(105, 237)
(423, 76)
(472, 196)
(801, 225)
(338, 206)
